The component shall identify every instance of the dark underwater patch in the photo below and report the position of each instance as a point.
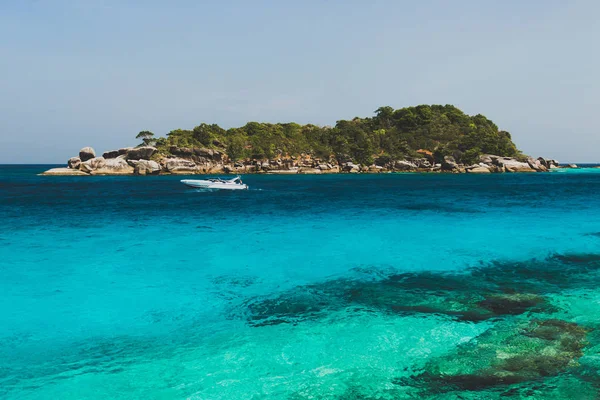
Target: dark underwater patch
(495, 290)
(507, 354)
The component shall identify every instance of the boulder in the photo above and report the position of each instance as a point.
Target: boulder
(324, 167)
(449, 164)
(87, 153)
(64, 172)
(92, 164)
(113, 166)
(422, 163)
(123, 151)
(479, 169)
(180, 165)
(536, 164)
(147, 167)
(111, 154)
(375, 168)
(102, 166)
(513, 165)
(487, 158)
(350, 167)
(548, 163)
(74, 162)
(141, 153)
(403, 165)
(573, 166)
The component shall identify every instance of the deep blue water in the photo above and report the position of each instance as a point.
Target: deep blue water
(138, 287)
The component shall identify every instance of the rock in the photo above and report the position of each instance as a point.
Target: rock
(573, 166)
(180, 165)
(87, 153)
(449, 164)
(111, 154)
(92, 164)
(487, 158)
(112, 166)
(403, 165)
(147, 167)
(375, 168)
(74, 162)
(307, 170)
(479, 170)
(141, 153)
(324, 167)
(123, 151)
(508, 353)
(536, 164)
(548, 163)
(422, 163)
(513, 165)
(350, 167)
(64, 172)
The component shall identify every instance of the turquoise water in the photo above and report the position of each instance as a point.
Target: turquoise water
(304, 287)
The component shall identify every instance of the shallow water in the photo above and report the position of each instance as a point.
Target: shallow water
(322, 287)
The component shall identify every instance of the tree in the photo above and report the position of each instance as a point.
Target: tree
(236, 145)
(147, 138)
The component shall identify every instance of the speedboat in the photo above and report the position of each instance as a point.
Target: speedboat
(216, 183)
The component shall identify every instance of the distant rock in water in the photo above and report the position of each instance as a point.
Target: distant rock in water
(64, 172)
(87, 153)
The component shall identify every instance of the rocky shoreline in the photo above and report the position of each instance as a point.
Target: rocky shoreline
(147, 160)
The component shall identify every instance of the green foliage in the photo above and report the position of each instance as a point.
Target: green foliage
(147, 138)
(394, 134)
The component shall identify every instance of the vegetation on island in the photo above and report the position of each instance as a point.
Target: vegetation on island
(390, 134)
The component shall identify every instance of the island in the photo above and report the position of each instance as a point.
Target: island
(424, 138)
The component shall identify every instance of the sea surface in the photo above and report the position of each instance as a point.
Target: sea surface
(390, 286)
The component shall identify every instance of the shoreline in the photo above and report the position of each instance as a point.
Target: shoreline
(148, 160)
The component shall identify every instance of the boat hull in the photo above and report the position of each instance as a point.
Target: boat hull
(203, 184)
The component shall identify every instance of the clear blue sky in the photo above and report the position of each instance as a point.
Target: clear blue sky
(95, 72)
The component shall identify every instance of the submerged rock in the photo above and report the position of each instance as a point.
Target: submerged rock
(506, 354)
(489, 292)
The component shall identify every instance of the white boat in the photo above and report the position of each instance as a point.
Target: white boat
(216, 183)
